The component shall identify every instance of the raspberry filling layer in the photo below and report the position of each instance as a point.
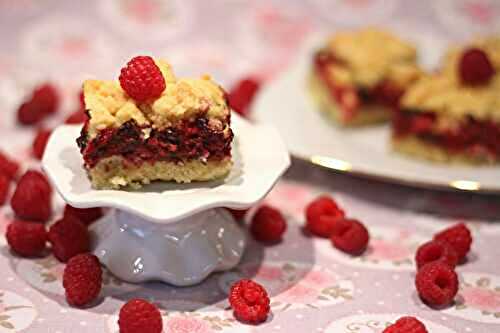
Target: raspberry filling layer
(188, 140)
(474, 136)
(385, 93)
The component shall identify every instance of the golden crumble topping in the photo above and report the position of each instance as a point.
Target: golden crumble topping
(110, 106)
(444, 94)
(369, 56)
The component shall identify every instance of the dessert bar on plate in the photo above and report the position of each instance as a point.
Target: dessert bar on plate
(454, 115)
(359, 76)
(181, 134)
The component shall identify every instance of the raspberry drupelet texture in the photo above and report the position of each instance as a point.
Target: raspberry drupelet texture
(82, 279)
(32, 199)
(475, 67)
(249, 301)
(406, 325)
(142, 79)
(4, 188)
(140, 316)
(268, 224)
(350, 236)
(318, 208)
(85, 215)
(27, 239)
(40, 141)
(8, 166)
(437, 284)
(69, 237)
(459, 237)
(436, 251)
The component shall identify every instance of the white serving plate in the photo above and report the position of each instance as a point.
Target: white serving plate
(285, 104)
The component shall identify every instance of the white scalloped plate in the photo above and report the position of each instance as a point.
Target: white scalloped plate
(361, 151)
(260, 158)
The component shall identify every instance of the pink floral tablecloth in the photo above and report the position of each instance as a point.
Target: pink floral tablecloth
(314, 288)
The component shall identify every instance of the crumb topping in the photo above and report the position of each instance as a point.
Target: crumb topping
(368, 56)
(110, 106)
(444, 94)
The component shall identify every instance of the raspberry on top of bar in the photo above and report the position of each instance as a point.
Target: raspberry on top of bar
(454, 115)
(364, 72)
(173, 130)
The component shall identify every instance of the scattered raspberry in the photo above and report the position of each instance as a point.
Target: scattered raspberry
(238, 214)
(459, 237)
(46, 98)
(28, 114)
(436, 251)
(350, 236)
(142, 79)
(8, 166)
(406, 325)
(241, 96)
(475, 67)
(437, 283)
(4, 188)
(249, 301)
(41, 139)
(140, 316)
(77, 117)
(27, 239)
(42, 102)
(85, 215)
(32, 199)
(69, 237)
(268, 224)
(82, 279)
(322, 206)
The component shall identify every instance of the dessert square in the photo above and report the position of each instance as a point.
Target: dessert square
(182, 135)
(454, 116)
(359, 76)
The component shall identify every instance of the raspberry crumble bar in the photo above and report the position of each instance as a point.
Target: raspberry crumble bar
(359, 76)
(454, 116)
(173, 129)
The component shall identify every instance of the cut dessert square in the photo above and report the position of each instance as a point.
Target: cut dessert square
(454, 115)
(359, 76)
(179, 132)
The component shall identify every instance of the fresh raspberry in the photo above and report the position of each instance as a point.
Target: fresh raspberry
(406, 325)
(27, 239)
(459, 237)
(436, 251)
(46, 98)
(140, 316)
(249, 301)
(43, 101)
(350, 236)
(29, 114)
(85, 215)
(4, 188)
(475, 67)
(82, 279)
(40, 141)
(32, 199)
(241, 96)
(142, 79)
(69, 237)
(77, 117)
(238, 214)
(322, 206)
(268, 224)
(8, 166)
(437, 283)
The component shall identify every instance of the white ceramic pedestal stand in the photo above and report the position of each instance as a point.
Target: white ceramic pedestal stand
(171, 232)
